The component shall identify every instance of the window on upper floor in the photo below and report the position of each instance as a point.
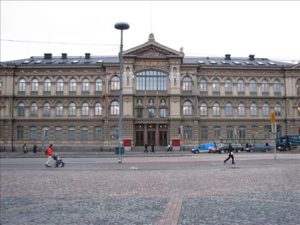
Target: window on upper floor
(216, 109)
(47, 85)
(85, 85)
(85, 109)
(59, 109)
(229, 109)
(22, 85)
(72, 85)
(21, 109)
(187, 84)
(266, 111)
(298, 87)
(216, 85)
(163, 112)
(34, 109)
(203, 109)
(277, 87)
(253, 109)
(115, 108)
(46, 109)
(98, 85)
(34, 85)
(115, 83)
(151, 80)
(60, 85)
(98, 109)
(151, 112)
(228, 86)
(203, 85)
(253, 87)
(277, 109)
(265, 86)
(241, 86)
(72, 109)
(241, 109)
(187, 108)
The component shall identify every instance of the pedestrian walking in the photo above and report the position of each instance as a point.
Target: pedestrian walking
(49, 153)
(34, 149)
(25, 148)
(146, 148)
(230, 154)
(152, 148)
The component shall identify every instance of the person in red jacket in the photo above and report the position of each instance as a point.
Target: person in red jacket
(49, 152)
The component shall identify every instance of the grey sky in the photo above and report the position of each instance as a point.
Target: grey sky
(268, 29)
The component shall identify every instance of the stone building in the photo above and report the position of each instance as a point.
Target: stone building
(73, 102)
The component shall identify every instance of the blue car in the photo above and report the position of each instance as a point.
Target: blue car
(207, 147)
(260, 148)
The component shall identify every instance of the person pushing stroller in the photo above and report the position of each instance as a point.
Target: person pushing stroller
(58, 160)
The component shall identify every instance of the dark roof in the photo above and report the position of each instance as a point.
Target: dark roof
(187, 60)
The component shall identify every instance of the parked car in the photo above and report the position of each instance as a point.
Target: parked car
(207, 147)
(260, 148)
(223, 148)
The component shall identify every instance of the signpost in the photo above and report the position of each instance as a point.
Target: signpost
(274, 129)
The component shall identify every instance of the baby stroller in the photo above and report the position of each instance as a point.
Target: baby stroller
(58, 160)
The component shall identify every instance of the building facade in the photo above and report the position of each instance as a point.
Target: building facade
(74, 102)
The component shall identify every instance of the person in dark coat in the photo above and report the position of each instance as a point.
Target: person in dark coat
(146, 148)
(152, 147)
(230, 154)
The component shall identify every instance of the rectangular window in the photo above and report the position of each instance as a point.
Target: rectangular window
(163, 113)
(114, 133)
(187, 132)
(204, 133)
(58, 134)
(71, 134)
(139, 112)
(20, 133)
(98, 133)
(33, 133)
(151, 112)
(84, 134)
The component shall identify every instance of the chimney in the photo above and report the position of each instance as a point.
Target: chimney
(251, 57)
(227, 57)
(87, 55)
(63, 55)
(47, 55)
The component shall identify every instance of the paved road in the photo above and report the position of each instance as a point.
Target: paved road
(185, 190)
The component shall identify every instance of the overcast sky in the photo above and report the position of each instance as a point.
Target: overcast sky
(268, 29)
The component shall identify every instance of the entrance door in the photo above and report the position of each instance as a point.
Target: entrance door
(139, 138)
(163, 140)
(151, 137)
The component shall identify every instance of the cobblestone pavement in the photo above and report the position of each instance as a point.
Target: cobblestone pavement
(198, 190)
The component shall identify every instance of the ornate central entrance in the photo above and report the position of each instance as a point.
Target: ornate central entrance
(156, 134)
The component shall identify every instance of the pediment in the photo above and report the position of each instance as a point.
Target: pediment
(152, 49)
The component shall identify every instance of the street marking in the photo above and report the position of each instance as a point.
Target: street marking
(172, 212)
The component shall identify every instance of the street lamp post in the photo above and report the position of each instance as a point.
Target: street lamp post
(121, 26)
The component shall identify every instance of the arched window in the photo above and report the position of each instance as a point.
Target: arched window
(253, 109)
(277, 109)
(34, 85)
(47, 85)
(72, 109)
(216, 109)
(60, 85)
(187, 84)
(229, 109)
(216, 85)
(265, 86)
(72, 85)
(85, 85)
(228, 86)
(115, 83)
(21, 109)
(277, 87)
(59, 109)
(241, 86)
(187, 108)
(203, 85)
(98, 84)
(46, 109)
(33, 109)
(253, 87)
(115, 108)
(241, 109)
(266, 110)
(22, 85)
(98, 109)
(152, 80)
(85, 109)
(203, 109)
